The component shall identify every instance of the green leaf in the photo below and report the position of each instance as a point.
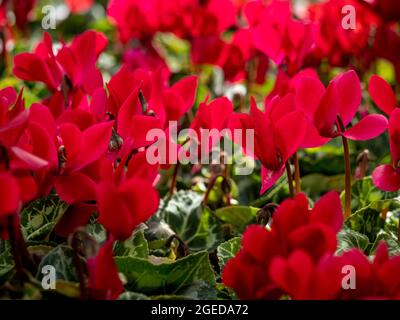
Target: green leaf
(386, 70)
(238, 216)
(348, 239)
(183, 214)
(96, 230)
(227, 251)
(208, 234)
(135, 246)
(368, 203)
(200, 290)
(61, 258)
(366, 221)
(391, 240)
(316, 184)
(64, 289)
(166, 278)
(365, 194)
(39, 218)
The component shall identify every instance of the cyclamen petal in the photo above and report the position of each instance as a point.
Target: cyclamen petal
(309, 92)
(367, 128)
(386, 178)
(9, 194)
(122, 208)
(104, 281)
(66, 187)
(382, 94)
(394, 135)
(349, 94)
(95, 141)
(326, 114)
(113, 210)
(29, 159)
(328, 210)
(290, 136)
(269, 177)
(294, 275)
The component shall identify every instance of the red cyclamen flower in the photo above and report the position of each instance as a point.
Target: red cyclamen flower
(387, 177)
(294, 227)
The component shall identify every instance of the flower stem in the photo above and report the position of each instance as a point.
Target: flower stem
(297, 172)
(78, 266)
(210, 186)
(226, 185)
(22, 258)
(362, 161)
(174, 179)
(346, 153)
(290, 179)
(12, 234)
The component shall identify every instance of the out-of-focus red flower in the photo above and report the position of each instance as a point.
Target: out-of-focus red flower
(79, 6)
(387, 10)
(188, 19)
(335, 42)
(239, 59)
(285, 40)
(22, 10)
(104, 282)
(387, 46)
(145, 57)
(200, 22)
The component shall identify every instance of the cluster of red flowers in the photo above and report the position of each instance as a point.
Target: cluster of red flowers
(86, 144)
(296, 258)
(318, 118)
(260, 30)
(87, 140)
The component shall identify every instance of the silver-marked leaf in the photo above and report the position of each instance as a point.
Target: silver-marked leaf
(183, 214)
(135, 246)
(227, 251)
(349, 239)
(61, 258)
(39, 218)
